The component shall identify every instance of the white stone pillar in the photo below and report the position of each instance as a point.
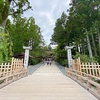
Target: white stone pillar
(26, 56)
(69, 55)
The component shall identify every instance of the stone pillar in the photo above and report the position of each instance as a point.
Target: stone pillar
(69, 55)
(26, 56)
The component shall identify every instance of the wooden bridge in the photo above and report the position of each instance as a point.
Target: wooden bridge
(46, 83)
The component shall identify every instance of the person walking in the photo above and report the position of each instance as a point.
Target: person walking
(43, 61)
(50, 61)
(47, 61)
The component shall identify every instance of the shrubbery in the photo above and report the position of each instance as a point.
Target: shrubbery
(34, 61)
(63, 62)
(84, 58)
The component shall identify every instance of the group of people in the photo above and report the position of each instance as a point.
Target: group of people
(48, 61)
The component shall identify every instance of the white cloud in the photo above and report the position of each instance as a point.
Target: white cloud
(46, 12)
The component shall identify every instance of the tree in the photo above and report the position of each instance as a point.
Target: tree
(60, 36)
(81, 27)
(59, 30)
(5, 47)
(13, 8)
(84, 14)
(21, 31)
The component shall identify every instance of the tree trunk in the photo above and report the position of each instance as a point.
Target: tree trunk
(5, 16)
(94, 46)
(99, 39)
(3, 24)
(89, 47)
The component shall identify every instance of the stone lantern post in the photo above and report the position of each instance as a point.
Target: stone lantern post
(26, 56)
(69, 55)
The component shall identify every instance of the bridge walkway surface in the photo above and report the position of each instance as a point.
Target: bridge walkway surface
(46, 83)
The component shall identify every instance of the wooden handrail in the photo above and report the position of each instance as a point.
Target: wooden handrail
(4, 79)
(86, 80)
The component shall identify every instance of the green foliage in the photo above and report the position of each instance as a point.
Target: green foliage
(4, 8)
(63, 62)
(5, 47)
(13, 8)
(82, 20)
(84, 58)
(82, 16)
(21, 31)
(98, 81)
(60, 55)
(34, 61)
(59, 30)
(38, 53)
(60, 36)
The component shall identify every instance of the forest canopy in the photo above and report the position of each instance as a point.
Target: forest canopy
(18, 31)
(80, 28)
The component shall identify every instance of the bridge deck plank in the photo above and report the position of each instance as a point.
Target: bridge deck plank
(46, 83)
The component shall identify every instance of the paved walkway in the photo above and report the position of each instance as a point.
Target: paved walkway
(46, 83)
(33, 68)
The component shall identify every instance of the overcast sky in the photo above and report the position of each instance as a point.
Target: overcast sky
(46, 12)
